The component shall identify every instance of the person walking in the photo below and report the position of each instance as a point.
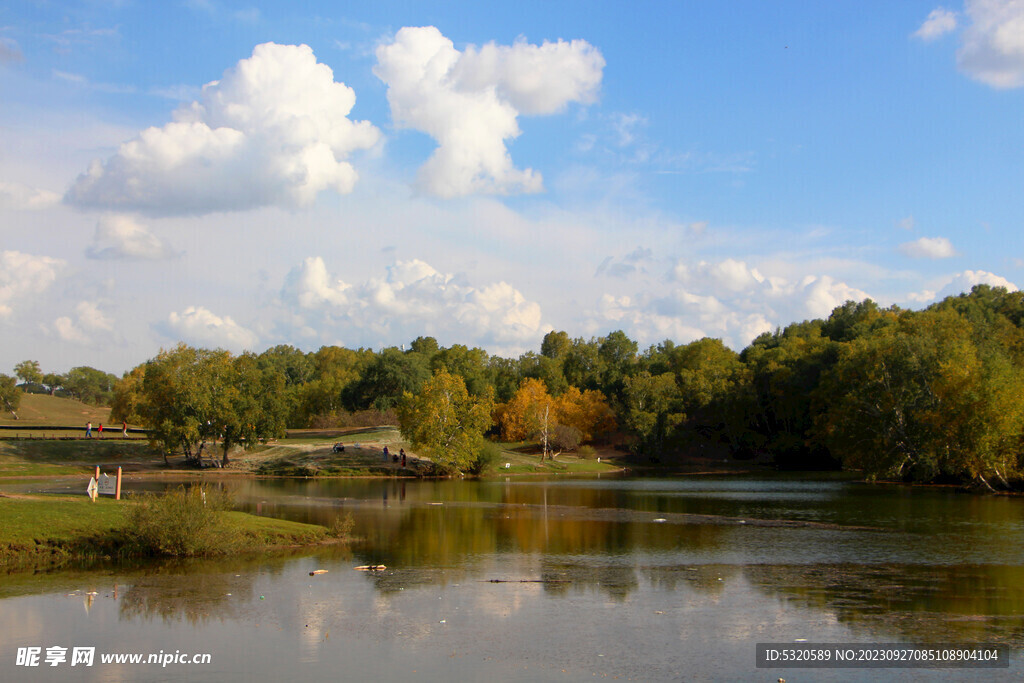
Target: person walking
(88, 430)
(385, 454)
(124, 429)
(101, 430)
(402, 453)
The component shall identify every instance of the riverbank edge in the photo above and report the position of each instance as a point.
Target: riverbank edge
(44, 532)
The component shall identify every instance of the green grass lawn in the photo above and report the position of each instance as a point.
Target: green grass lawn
(528, 462)
(53, 529)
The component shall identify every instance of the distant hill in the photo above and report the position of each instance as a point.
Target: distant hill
(42, 409)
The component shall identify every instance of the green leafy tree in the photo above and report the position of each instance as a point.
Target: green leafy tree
(785, 369)
(90, 385)
(469, 364)
(581, 364)
(335, 370)
(446, 423)
(10, 397)
(653, 409)
(427, 346)
(53, 381)
(188, 396)
(923, 398)
(617, 354)
(548, 370)
(257, 405)
(386, 379)
(556, 345)
(504, 376)
(28, 372)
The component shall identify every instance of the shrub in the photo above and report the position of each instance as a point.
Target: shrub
(342, 526)
(180, 523)
(487, 459)
(587, 452)
(565, 438)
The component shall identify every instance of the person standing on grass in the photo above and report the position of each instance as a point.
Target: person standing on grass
(385, 454)
(88, 430)
(402, 453)
(101, 430)
(124, 429)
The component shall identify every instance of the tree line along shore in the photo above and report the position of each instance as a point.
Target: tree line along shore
(924, 396)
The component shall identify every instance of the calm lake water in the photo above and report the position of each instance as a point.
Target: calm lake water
(550, 579)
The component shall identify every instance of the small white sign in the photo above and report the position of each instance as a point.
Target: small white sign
(107, 486)
(91, 489)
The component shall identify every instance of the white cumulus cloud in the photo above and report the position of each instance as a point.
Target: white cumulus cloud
(412, 299)
(198, 326)
(727, 299)
(960, 283)
(928, 247)
(992, 48)
(272, 131)
(89, 321)
(469, 102)
(122, 237)
(963, 282)
(23, 276)
(940, 21)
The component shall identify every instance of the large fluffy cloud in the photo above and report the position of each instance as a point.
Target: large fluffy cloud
(23, 276)
(992, 50)
(411, 299)
(122, 237)
(197, 325)
(273, 131)
(469, 102)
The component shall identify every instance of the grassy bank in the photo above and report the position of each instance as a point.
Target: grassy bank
(51, 458)
(53, 530)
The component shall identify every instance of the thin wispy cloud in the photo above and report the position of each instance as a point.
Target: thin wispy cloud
(928, 247)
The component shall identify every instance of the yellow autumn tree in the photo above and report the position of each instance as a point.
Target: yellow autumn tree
(534, 413)
(530, 413)
(588, 411)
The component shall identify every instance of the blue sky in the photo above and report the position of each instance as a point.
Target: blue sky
(250, 174)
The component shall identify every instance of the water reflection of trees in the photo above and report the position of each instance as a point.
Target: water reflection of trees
(197, 591)
(945, 603)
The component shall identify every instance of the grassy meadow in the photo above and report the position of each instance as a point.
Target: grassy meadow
(43, 409)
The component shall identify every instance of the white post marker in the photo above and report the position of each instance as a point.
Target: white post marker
(92, 489)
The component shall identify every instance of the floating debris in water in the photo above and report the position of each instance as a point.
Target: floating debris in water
(371, 567)
(661, 519)
(317, 571)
